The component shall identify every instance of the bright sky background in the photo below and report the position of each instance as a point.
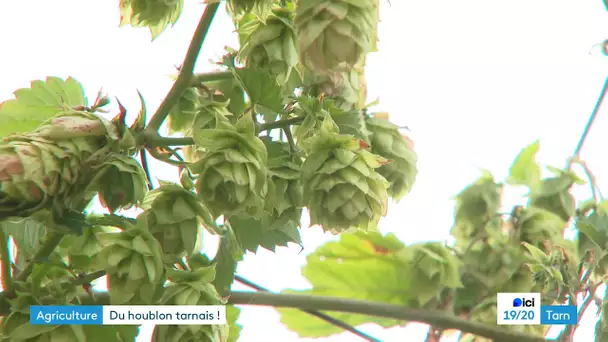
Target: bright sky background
(475, 80)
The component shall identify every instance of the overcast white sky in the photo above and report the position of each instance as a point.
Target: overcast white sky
(475, 80)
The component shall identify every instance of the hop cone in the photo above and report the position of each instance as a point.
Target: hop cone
(153, 13)
(271, 44)
(47, 167)
(120, 181)
(232, 174)
(182, 115)
(134, 265)
(239, 6)
(341, 187)
(191, 288)
(347, 89)
(174, 217)
(335, 33)
(286, 189)
(390, 144)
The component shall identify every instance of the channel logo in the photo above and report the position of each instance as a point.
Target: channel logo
(523, 302)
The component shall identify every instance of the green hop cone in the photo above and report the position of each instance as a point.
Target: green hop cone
(211, 113)
(191, 288)
(341, 186)
(156, 14)
(133, 262)
(286, 188)
(347, 89)
(335, 34)
(120, 181)
(50, 333)
(390, 144)
(240, 6)
(270, 44)
(175, 218)
(47, 166)
(86, 246)
(232, 174)
(182, 115)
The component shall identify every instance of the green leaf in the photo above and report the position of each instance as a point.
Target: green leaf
(307, 325)
(232, 315)
(525, 170)
(261, 87)
(27, 234)
(226, 260)
(366, 266)
(536, 253)
(253, 234)
(43, 100)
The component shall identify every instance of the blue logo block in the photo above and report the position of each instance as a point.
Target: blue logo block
(66, 314)
(517, 302)
(558, 314)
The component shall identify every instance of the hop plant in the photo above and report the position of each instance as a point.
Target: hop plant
(175, 218)
(335, 34)
(120, 181)
(133, 263)
(232, 174)
(286, 188)
(270, 44)
(390, 144)
(156, 14)
(48, 167)
(341, 186)
(191, 288)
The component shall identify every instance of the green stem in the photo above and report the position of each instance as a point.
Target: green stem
(184, 80)
(52, 241)
(438, 319)
(5, 259)
(154, 139)
(281, 123)
(212, 76)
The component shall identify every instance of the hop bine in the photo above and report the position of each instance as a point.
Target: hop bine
(341, 187)
(390, 144)
(335, 34)
(53, 165)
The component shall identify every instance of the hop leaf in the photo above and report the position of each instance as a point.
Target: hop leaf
(43, 100)
(157, 15)
(47, 167)
(270, 44)
(387, 142)
(335, 34)
(341, 187)
(232, 174)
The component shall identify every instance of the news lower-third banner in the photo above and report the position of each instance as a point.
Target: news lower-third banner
(127, 314)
